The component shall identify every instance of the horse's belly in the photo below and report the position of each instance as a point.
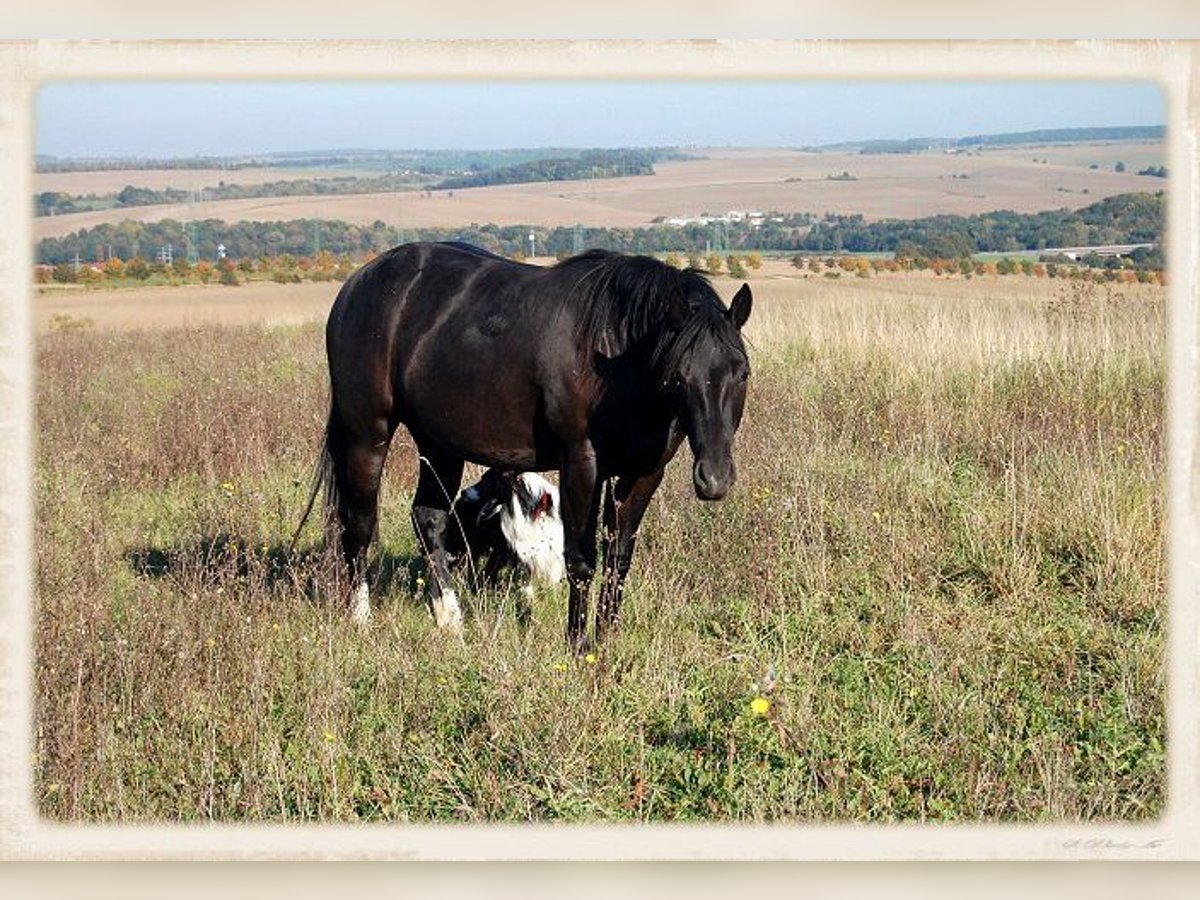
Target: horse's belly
(481, 434)
(488, 418)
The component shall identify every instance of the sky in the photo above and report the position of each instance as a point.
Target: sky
(164, 119)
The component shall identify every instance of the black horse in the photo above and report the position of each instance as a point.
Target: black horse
(598, 367)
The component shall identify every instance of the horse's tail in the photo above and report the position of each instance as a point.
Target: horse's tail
(322, 475)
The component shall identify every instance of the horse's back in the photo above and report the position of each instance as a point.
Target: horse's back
(443, 337)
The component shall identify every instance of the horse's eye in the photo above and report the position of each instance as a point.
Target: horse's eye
(744, 376)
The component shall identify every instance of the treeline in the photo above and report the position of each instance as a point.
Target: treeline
(129, 239)
(443, 162)
(424, 171)
(57, 203)
(286, 268)
(1121, 219)
(588, 164)
(46, 163)
(1065, 135)
(1006, 139)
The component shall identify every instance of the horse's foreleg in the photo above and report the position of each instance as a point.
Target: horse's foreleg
(621, 521)
(437, 485)
(580, 501)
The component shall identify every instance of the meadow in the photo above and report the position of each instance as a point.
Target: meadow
(936, 593)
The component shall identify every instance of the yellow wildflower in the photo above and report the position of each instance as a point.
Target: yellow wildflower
(590, 659)
(759, 706)
(329, 738)
(227, 487)
(559, 667)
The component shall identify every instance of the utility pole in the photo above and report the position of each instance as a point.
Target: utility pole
(193, 255)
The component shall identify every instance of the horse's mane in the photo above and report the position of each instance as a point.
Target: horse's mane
(622, 299)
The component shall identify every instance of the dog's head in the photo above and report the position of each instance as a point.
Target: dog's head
(535, 496)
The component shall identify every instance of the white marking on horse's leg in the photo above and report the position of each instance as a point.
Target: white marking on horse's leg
(446, 611)
(360, 611)
(527, 591)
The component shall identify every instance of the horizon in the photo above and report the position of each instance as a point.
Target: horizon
(158, 120)
(318, 151)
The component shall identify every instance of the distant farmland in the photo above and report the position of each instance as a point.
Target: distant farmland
(875, 185)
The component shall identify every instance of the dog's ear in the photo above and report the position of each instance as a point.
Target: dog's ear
(544, 505)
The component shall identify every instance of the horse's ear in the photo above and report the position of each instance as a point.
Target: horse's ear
(678, 310)
(739, 309)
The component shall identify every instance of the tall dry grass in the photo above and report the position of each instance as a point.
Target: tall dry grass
(942, 567)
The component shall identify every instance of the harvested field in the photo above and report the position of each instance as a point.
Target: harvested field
(110, 181)
(255, 303)
(884, 186)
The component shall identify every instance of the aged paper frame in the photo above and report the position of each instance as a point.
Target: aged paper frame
(27, 65)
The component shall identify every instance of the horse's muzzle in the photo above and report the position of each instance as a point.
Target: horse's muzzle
(712, 482)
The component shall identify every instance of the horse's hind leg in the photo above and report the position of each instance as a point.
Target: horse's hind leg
(357, 466)
(437, 485)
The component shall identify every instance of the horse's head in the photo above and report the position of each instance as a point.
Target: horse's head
(705, 374)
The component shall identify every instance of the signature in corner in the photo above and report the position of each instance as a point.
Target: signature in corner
(1112, 844)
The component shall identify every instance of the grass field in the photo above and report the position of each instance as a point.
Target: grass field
(942, 569)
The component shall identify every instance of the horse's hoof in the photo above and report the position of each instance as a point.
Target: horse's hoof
(360, 612)
(581, 646)
(447, 613)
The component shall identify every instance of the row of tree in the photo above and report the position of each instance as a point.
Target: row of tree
(1124, 219)
(128, 239)
(589, 164)
(325, 266)
(56, 203)
(486, 168)
(1113, 268)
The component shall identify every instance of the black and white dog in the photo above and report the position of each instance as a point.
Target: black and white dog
(509, 520)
